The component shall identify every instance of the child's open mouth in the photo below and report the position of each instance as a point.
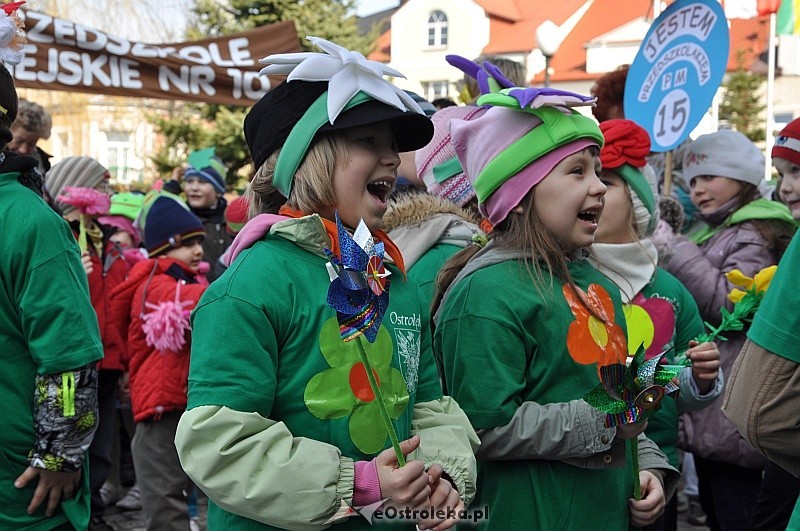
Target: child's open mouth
(590, 215)
(380, 190)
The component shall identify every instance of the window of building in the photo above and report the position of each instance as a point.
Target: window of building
(437, 29)
(119, 147)
(435, 89)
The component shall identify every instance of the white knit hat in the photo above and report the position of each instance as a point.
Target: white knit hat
(645, 220)
(725, 153)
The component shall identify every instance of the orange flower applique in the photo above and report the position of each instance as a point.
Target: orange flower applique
(594, 337)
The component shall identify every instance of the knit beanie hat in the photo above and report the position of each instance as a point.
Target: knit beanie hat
(725, 153)
(206, 166)
(625, 152)
(787, 144)
(82, 172)
(236, 215)
(512, 147)
(325, 92)
(124, 224)
(437, 163)
(168, 224)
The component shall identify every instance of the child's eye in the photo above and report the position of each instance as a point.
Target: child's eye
(367, 140)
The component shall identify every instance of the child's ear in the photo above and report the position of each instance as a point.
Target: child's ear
(518, 210)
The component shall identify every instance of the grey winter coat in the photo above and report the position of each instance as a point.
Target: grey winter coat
(707, 432)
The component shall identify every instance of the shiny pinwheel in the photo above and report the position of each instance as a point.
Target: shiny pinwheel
(633, 394)
(359, 292)
(359, 289)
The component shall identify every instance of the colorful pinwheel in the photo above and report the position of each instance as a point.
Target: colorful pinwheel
(359, 292)
(87, 201)
(633, 394)
(359, 289)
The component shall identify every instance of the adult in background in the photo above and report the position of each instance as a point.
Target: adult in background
(204, 186)
(50, 343)
(32, 124)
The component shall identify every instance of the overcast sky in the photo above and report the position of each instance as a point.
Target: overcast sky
(368, 7)
(154, 21)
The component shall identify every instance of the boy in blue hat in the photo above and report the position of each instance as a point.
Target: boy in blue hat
(204, 186)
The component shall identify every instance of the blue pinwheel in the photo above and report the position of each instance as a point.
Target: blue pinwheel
(359, 289)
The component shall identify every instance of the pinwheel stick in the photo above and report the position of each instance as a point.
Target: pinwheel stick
(376, 390)
(637, 486)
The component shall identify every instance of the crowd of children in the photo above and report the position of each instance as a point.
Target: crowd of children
(324, 344)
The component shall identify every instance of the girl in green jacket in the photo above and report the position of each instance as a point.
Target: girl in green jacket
(282, 429)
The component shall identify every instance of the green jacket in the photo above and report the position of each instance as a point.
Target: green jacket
(278, 408)
(508, 352)
(47, 326)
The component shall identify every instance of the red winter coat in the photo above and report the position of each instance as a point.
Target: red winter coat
(158, 379)
(107, 274)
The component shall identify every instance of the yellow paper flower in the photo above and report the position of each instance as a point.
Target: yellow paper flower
(760, 282)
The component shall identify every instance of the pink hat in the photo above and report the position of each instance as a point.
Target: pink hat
(437, 164)
(124, 224)
(479, 142)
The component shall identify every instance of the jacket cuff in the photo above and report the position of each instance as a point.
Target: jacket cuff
(366, 485)
(690, 398)
(65, 418)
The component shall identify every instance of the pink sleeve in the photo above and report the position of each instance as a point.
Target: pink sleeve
(367, 487)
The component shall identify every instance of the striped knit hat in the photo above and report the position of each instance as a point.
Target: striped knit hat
(168, 225)
(437, 163)
(84, 172)
(787, 144)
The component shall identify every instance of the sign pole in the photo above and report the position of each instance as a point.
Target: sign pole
(770, 138)
(667, 173)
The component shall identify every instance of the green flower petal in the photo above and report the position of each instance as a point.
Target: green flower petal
(366, 428)
(328, 394)
(339, 353)
(395, 392)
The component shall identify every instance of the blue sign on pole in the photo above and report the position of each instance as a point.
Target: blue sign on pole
(677, 71)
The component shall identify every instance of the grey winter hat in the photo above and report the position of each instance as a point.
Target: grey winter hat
(725, 153)
(83, 172)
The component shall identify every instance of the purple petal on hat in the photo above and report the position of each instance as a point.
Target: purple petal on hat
(498, 76)
(532, 97)
(471, 68)
(483, 82)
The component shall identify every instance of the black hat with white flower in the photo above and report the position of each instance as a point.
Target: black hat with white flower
(327, 92)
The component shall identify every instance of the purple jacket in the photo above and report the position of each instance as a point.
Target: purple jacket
(707, 432)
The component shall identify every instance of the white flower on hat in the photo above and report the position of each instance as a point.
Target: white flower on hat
(347, 72)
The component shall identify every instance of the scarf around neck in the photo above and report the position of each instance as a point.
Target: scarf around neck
(630, 266)
(260, 225)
